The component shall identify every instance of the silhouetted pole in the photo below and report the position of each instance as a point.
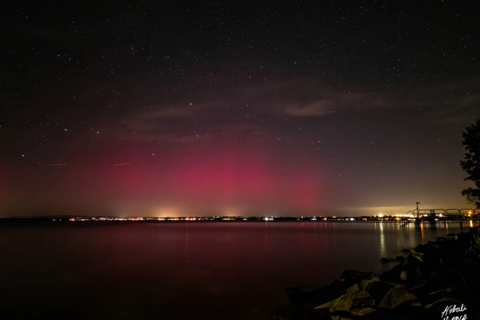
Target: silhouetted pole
(417, 219)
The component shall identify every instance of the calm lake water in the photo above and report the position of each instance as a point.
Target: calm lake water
(184, 270)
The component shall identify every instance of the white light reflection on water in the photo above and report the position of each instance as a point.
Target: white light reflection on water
(383, 249)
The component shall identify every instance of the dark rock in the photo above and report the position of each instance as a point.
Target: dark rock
(392, 275)
(474, 284)
(475, 240)
(421, 288)
(442, 239)
(364, 302)
(395, 297)
(362, 311)
(469, 265)
(449, 260)
(422, 263)
(442, 280)
(341, 303)
(355, 276)
(434, 276)
(320, 314)
(298, 296)
(363, 298)
(430, 250)
(365, 284)
(378, 290)
(463, 242)
(454, 294)
(379, 314)
(342, 315)
(396, 259)
(411, 312)
(328, 293)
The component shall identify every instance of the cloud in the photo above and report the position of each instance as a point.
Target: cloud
(182, 109)
(337, 102)
(310, 97)
(313, 98)
(454, 93)
(452, 103)
(178, 138)
(167, 112)
(236, 110)
(161, 123)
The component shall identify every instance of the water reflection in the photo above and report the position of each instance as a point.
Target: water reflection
(222, 266)
(423, 232)
(383, 249)
(186, 243)
(266, 239)
(303, 239)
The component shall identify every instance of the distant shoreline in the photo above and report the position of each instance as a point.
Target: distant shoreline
(63, 219)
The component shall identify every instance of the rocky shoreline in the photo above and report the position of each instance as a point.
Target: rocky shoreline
(438, 280)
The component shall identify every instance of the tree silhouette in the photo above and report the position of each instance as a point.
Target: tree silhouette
(471, 162)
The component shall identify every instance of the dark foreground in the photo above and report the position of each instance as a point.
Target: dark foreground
(438, 280)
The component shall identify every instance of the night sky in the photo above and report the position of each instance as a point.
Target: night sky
(235, 107)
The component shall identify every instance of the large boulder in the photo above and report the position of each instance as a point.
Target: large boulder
(422, 263)
(396, 259)
(298, 296)
(475, 240)
(424, 285)
(450, 256)
(469, 265)
(396, 297)
(357, 276)
(409, 311)
(392, 275)
(443, 239)
(363, 298)
(377, 290)
(362, 311)
(342, 302)
(330, 292)
(462, 244)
